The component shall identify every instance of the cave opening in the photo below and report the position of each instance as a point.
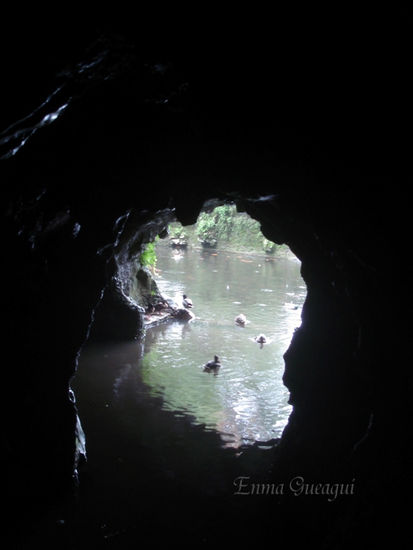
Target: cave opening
(150, 414)
(246, 294)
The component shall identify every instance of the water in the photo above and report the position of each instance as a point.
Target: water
(246, 401)
(162, 436)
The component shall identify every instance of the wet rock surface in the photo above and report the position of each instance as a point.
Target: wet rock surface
(135, 142)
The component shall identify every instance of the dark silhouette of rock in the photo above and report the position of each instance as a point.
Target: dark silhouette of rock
(116, 148)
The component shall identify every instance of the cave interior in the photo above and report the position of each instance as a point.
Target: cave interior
(109, 144)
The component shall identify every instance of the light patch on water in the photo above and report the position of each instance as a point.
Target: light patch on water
(245, 401)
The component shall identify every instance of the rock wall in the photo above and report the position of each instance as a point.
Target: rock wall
(137, 140)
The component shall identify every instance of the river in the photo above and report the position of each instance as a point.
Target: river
(158, 428)
(246, 401)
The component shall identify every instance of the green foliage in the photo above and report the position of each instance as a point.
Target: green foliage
(206, 230)
(177, 231)
(230, 229)
(217, 225)
(224, 217)
(148, 256)
(225, 228)
(268, 246)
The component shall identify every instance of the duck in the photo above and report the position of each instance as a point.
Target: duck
(187, 302)
(241, 319)
(212, 366)
(261, 339)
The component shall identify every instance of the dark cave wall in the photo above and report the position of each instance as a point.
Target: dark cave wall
(336, 372)
(114, 152)
(338, 362)
(129, 286)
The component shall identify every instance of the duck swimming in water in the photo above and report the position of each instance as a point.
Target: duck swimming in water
(261, 339)
(186, 302)
(241, 320)
(212, 366)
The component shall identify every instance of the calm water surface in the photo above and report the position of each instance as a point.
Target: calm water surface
(159, 429)
(147, 393)
(246, 401)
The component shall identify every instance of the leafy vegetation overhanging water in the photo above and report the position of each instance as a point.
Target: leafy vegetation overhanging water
(225, 228)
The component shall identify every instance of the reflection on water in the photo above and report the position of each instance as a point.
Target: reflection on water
(246, 401)
(147, 406)
(158, 427)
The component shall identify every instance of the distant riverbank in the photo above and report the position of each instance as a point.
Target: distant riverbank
(225, 229)
(281, 251)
